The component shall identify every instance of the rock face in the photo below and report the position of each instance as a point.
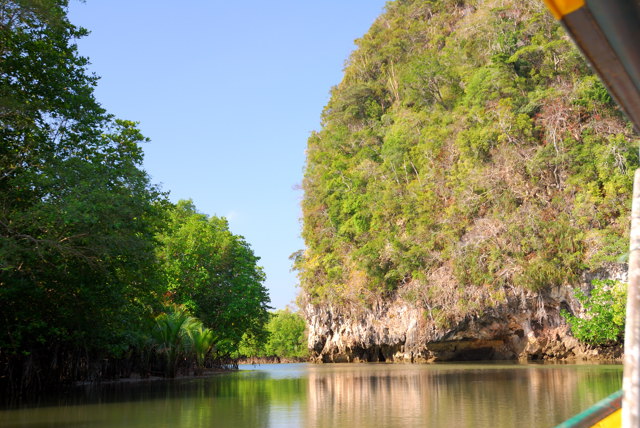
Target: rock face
(523, 326)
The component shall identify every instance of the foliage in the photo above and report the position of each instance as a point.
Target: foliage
(170, 334)
(78, 215)
(285, 337)
(251, 346)
(82, 229)
(177, 334)
(604, 319)
(214, 273)
(201, 342)
(468, 147)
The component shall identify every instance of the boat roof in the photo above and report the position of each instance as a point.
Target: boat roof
(608, 34)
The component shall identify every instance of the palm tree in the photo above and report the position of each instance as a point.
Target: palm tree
(201, 340)
(170, 333)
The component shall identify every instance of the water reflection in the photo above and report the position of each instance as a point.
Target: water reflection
(227, 400)
(354, 395)
(455, 395)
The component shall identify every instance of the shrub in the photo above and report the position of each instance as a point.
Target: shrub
(603, 323)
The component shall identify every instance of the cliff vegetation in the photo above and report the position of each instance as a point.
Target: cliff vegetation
(468, 151)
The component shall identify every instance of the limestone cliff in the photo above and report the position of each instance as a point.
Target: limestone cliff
(523, 326)
(470, 171)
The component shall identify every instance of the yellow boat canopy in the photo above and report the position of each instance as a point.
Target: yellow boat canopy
(608, 33)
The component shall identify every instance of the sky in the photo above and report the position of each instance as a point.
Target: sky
(228, 93)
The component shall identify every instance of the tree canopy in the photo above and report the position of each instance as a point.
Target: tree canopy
(89, 247)
(285, 338)
(286, 335)
(215, 274)
(76, 227)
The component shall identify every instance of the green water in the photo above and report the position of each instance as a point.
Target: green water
(337, 395)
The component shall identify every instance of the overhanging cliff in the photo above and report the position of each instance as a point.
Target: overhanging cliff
(469, 174)
(523, 326)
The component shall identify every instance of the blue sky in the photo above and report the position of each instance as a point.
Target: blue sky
(228, 93)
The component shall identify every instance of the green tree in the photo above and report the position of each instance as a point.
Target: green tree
(286, 335)
(252, 346)
(77, 213)
(214, 273)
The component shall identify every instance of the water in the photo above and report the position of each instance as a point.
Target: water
(335, 395)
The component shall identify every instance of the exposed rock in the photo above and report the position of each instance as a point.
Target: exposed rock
(522, 326)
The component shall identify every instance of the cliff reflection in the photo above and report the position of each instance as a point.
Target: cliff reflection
(453, 395)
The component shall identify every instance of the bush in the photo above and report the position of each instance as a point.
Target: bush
(604, 319)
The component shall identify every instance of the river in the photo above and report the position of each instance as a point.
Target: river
(334, 395)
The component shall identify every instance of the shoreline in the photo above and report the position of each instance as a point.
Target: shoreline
(272, 360)
(136, 378)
